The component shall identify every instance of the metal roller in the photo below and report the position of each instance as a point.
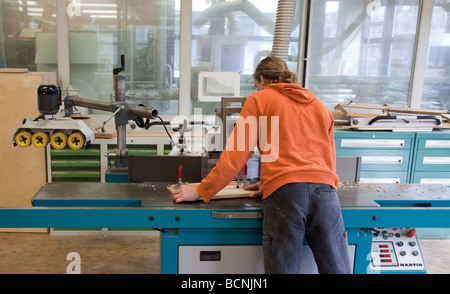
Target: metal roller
(40, 139)
(76, 141)
(23, 139)
(58, 140)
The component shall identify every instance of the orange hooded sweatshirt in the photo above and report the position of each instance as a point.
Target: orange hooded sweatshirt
(293, 131)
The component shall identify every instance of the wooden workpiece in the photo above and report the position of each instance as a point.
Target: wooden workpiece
(229, 192)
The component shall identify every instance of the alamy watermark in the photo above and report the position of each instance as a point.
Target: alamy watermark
(74, 267)
(249, 132)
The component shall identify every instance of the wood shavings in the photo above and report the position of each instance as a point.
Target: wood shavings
(153, 186)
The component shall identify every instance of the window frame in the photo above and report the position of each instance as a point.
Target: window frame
(418, 68)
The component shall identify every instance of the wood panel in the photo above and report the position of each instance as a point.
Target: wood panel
(23, 170)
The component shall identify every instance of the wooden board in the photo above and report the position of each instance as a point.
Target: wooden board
(105, 135)
(14, 70)
(362, 110)
(229, 192)
(404, 127)
(23, 170)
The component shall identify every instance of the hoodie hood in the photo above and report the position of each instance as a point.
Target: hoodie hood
(294, 91)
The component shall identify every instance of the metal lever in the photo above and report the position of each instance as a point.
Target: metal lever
(119, 108)
(117, 70)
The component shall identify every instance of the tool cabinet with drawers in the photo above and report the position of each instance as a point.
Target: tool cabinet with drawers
(386, 157)
(431, 163)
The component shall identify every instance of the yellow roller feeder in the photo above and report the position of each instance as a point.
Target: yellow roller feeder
(40, 139)
(23, 139)
(59, 140)
(76, 141)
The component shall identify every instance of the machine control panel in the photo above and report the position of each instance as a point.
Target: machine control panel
(396, 250)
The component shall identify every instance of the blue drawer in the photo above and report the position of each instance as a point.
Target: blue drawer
(379, 160)
(432, 160)
(434, 143)
(431, 163)
(442, 178)
(385, 156)
(377, 141)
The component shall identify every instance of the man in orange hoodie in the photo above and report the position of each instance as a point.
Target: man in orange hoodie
(293, 132)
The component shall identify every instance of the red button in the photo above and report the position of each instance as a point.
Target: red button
(411, 233)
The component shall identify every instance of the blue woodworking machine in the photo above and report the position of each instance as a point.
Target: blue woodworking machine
(224, 236)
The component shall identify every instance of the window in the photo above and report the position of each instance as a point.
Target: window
(233, 36)
(436, 90)
(358, 51)
(362, 52)
(23, 30)
(146, 32)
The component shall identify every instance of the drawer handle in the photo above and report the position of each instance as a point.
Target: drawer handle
(236, 215)
(442, 181)
(436, 160)
(382, 159)
(380, 180)
(437, 120)
(437, 144)
(372, 143)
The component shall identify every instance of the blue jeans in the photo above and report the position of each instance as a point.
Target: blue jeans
(304, 210)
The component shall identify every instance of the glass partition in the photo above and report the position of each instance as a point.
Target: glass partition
(22, 27)
(363, 51)
(232, 37)
(146, 31)
(359, 51)
(436, 90)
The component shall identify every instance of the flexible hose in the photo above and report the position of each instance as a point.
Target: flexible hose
(283, 28)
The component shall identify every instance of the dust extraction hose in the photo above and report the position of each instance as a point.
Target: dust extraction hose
(283, 28)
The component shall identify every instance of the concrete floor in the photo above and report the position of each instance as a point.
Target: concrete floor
(40, 253)
(436, 253)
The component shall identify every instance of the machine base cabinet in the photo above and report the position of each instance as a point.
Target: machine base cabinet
(235, 251)
(233, 259)
(225, 259)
